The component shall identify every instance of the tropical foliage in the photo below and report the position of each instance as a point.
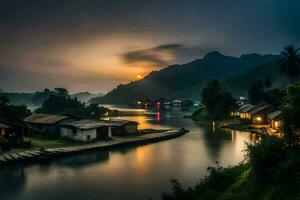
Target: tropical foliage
(12, 113)
(290, 63)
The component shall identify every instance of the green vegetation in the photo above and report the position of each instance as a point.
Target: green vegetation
(46, 141)
(62, 103)
(290, 63)
(11, 112)
(217, 103)
(260, 92)
(186, 80)
(270, 170)
(291, 113)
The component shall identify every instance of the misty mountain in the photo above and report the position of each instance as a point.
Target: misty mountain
(185, 80)
(85, 96)
(239, 84)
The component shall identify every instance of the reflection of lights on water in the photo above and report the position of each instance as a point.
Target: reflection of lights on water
(158, 105)
(158, 116)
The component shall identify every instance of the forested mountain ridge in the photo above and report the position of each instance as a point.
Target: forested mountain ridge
(186, 80)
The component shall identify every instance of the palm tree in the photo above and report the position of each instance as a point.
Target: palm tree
(290, 62)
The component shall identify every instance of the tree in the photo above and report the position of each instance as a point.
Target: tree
(268, 82)
(211, 95)
(62, 92)
(11, 112)
(255, 92)
(290, 63)
(291, 113)
(4, 100)
(62, 105)
(218, 104)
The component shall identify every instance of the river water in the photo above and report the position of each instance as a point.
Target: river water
(134, 173)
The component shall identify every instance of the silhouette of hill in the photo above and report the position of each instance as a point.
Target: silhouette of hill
(185, 80)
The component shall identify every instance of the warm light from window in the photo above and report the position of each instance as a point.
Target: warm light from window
(276, 124)
(258, 118)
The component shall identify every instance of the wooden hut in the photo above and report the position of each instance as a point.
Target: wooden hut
(47, 124)
(275, 119)
(259, 114)
(86, 130)
(123, 127)
(11, 134)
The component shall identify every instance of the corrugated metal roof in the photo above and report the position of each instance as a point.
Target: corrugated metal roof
(88, 124)
(275, 114)
(259, 108)
(4, 125)
(246, 108)
(119, 122)
(44, 118)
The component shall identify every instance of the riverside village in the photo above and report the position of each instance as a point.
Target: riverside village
(150, 100)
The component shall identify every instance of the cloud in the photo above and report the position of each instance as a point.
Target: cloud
(164, 55)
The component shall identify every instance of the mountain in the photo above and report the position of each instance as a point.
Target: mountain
(186, 80)
(85, 96)
(16, 98)
(239, 84)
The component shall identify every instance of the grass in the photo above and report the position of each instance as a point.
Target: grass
(44, 141)
(51, 142)
(236, 183)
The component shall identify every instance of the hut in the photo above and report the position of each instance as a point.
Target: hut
(11, 134)
(46, 123)
(244, 111)
(275, 119)
(259, 114)
(86, 130)
(123, 127)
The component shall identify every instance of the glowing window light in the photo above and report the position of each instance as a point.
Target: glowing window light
(276, 124)
(258, 119)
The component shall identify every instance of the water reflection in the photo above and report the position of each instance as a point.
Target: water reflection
(132, 173)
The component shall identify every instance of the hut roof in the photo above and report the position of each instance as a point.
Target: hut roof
(87, 124)
(120, 122)
(37, 118)
(259, 108)
(4, 125)
(274, 114)
(245, 108)
(10, 124)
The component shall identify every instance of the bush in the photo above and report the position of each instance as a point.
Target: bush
(263, 157)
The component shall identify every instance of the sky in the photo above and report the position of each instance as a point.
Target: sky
(89, 45)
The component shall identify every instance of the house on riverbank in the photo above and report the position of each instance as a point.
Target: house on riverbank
(244, 111)
(46, 123)
(86, 130)
(275, 119)
(259, 114)
(11, 134)
(123, 127)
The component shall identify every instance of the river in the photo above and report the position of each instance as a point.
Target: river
(134, 173)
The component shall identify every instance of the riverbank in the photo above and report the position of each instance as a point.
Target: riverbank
(235, 183)
(232, 123)
(48, 154)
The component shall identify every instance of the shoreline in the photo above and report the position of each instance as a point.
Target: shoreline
(232, 124)
(35, 156)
